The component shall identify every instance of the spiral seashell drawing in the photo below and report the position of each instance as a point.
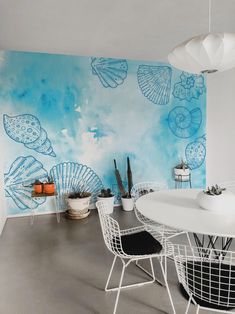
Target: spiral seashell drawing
(26, 129)
(111, 72)
(190, 86)
(195, 153)
(155, 83)
(18, 180)
(184, 123)
(70, 176)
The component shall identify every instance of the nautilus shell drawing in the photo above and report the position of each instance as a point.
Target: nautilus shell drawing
(155, 83)
(26, 129)
(18, 180)
(111, 72)
(183, 122)
(195, 152)
(70, 176)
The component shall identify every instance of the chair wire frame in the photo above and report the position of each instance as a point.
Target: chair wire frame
(208, 278)
(112, 238)
(143, 188)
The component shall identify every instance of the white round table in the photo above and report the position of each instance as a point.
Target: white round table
(179, 209)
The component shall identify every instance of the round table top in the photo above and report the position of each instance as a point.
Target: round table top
(179, 209)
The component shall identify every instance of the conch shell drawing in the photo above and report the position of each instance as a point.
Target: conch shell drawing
(26, 129)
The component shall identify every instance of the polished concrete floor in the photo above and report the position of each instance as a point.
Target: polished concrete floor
(52, 268)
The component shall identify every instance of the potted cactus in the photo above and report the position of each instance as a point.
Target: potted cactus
(216, 198)
(49, 186)
(182, 172)
(127, 201)
(79, 200)
(38, 187)
(107, 196)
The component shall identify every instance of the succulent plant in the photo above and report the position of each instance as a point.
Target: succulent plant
(214, 190)
(37, 182)
(182, 165)
(105, 193)
(79, 194)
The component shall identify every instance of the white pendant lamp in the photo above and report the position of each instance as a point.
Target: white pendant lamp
(205, 53)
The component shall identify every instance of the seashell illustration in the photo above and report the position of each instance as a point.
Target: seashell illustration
(18, 180)
(26, 129)
(111, 72)
(190, 86)
(195, 153)
(155, 83)
(69, 176)
(184, 123)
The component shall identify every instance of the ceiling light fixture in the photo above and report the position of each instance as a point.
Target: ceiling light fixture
(207, 53)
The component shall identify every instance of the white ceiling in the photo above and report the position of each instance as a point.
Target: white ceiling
(135, 29)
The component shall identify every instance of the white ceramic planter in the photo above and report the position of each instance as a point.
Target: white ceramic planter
(109, 201)
(78, 204)
(222, 202)
(127, 204)
(182, 174)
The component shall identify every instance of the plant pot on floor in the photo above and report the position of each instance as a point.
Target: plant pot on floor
(127, 204)
(109, 201)
(79, 204)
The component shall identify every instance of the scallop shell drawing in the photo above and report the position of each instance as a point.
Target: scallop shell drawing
(69, 176)
(184, 123)
(155, 83)
(26, 129)
(111, 72)
(18, 180)
(195, 153)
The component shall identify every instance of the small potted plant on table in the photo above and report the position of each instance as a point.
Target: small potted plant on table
(127, 201)
(38, 187)
(49, 186)
(107, 196)
(216, 198)
(182, 172)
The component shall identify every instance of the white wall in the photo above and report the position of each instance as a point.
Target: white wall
(221, 127)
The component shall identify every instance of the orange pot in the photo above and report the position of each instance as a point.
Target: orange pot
(49, 188)
(37, 188)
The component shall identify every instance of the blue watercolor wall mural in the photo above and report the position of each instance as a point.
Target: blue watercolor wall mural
(70, 116)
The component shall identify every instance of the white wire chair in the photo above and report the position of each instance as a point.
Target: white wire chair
(143, 188)
(208, 277)
(126, 245)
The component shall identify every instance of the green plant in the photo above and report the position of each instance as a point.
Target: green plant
(182, 165)
(124, 193)
(37, 182)
(50, 180)
(105, 193)
(214, 190)
(78, 194)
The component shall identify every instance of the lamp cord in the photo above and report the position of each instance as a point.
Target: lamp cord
(209, 20)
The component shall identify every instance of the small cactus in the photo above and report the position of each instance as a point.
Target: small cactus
(182, 165)
(214, 190)
(105, 193)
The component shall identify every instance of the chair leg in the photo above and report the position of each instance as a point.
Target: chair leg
(188, 305)
(148, 273)
(167, 287)
(197, 311)
(189, 241)
(110, 273)
(119, 287)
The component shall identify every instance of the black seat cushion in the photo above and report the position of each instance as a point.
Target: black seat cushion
(140, 243)
(211, 283)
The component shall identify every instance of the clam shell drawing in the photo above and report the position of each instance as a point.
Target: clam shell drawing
(195, 153)
(18, 180)
(26, 129)
(184, 123)
(70, 176)
(155, 83)
(111, 72)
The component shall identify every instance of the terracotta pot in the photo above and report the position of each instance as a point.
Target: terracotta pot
(49, 188)
(38, 188)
